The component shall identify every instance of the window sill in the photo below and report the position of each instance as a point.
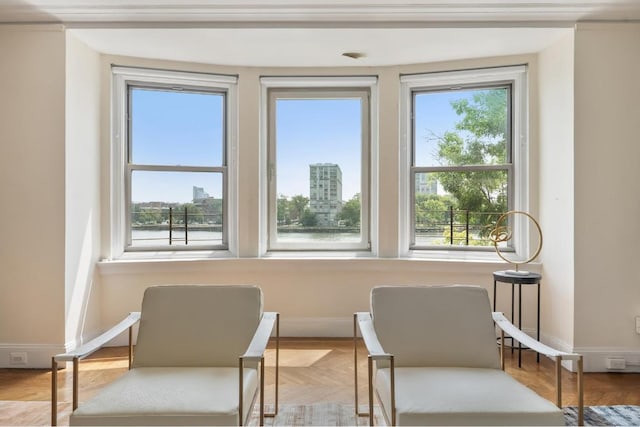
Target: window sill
(182, 262)
(310, 255)
(446, 255)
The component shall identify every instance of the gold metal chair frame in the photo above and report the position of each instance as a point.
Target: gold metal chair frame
(253, 354)
(377, 353)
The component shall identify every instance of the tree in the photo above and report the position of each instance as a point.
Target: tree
(212, 209)
(195, 214)
(350, 212)
(480, 139)
(431, 210)
(297, 207)
(284, 214)
(308, 218)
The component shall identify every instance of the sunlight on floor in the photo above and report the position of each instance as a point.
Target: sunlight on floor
(295, 358)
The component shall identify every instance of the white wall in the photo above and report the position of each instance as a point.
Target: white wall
(32, 192)
(314, 297)
(82, 190)
(607, 199)
(556, 70)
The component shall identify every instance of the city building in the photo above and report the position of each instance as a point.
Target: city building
(199, 194)
(425, 185)
(325, 192)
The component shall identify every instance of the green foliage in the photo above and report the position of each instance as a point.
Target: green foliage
(297, 207)
(208, 211)
(485, 117)
(212, 210)
(460, 238)
(350, 212)
(431, 210)
(308, 218)
(284, 216)
(147, 216)
(195, 214)
(291, 211)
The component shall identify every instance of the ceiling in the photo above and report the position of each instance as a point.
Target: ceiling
(317, 32)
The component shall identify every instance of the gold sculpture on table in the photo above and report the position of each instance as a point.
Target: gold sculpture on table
(503, 233)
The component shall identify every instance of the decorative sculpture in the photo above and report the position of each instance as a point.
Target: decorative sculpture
(502, 232)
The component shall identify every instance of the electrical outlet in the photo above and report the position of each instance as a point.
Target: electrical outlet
(616, 363)
(637, 324)
(18, 358)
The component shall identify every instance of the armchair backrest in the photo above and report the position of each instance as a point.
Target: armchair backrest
(196, 325)
(435, 325)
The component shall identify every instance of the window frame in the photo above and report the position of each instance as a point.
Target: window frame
(126, 79)
(517, 151)
(274, 88)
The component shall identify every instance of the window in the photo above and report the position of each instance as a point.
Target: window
(318, 163)
(171, 160)
(466, 156)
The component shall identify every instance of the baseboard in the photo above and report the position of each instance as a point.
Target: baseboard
(595, 359)
(32, 356)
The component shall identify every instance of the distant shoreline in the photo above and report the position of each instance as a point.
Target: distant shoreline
(218, 228)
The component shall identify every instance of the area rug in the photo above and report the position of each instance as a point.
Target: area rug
(318, 414)
(619, 415)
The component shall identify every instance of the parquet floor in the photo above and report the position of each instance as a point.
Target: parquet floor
(314, 371)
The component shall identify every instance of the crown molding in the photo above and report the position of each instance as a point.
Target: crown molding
(298, 11)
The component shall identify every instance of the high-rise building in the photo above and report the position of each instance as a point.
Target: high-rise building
(199, 194)
(325, 192)
(424, 185)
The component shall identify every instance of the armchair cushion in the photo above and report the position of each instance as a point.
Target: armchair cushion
(435, 325)
(170, 396)
(464, 396)
(220, 324)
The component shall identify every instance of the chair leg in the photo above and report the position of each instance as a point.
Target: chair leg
(240, 393)
(370, 375)
(262, 391)
(75, 383)
(130, 346)
(393, 390)
(501, 349)
(580, 392)
(54, 392)
(355, 368)
(559, 381)
(275, 409)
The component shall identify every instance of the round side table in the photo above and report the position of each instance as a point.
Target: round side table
(519, 279)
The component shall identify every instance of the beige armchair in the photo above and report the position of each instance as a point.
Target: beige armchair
(433, 360)
(199, 360)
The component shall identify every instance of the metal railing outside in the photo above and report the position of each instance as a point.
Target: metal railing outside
(175, 224)
(456, 227)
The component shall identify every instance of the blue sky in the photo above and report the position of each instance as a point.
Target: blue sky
(182, 128)
(176, 128)
(317, 131)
